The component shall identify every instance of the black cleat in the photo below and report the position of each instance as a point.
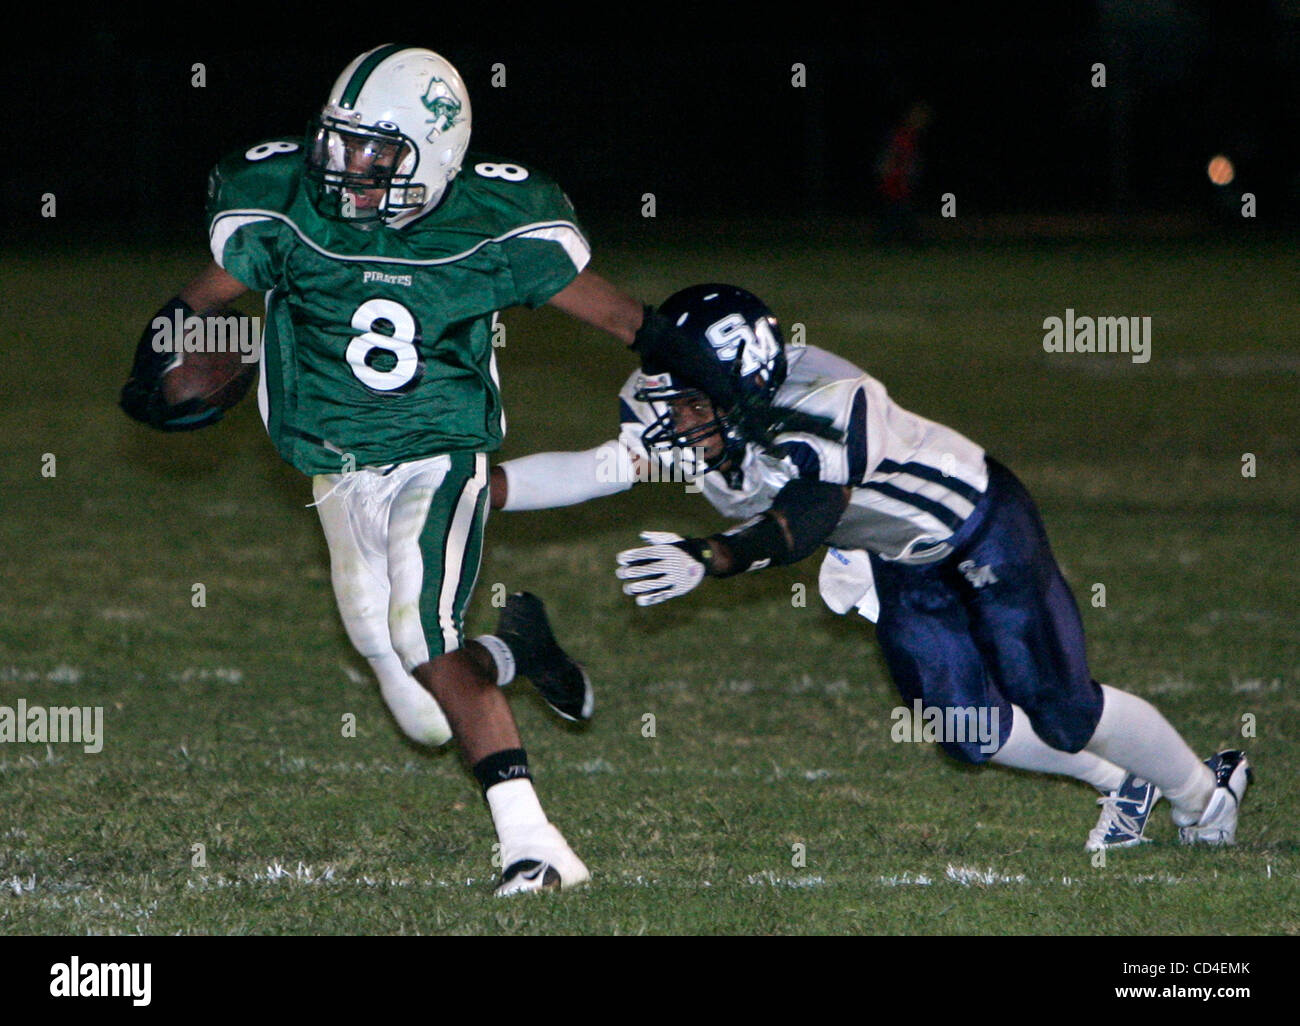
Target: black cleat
(528, 875)
(562, 683)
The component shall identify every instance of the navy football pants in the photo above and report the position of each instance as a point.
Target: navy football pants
(992, 623)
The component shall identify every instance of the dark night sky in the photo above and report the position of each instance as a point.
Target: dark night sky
(699, 109)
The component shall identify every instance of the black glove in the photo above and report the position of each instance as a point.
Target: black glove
(142, 398)
(666, 350)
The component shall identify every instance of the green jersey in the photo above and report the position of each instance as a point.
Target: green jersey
(378, 344)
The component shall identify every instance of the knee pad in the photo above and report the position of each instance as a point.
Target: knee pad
(360, 584)
(416, 711)
(406, 631)
(1065, 730)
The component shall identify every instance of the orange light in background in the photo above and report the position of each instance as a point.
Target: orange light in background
(1220, 170)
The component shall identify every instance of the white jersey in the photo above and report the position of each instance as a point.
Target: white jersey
(914, 481)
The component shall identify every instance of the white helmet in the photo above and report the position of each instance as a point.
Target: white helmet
(390, 137)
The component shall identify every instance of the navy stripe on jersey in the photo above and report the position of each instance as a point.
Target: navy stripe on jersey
(932, 474)
(804, 456)
(855, 442)
(625, 414)
(936, 509)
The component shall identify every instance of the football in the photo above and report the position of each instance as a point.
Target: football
(217, 379)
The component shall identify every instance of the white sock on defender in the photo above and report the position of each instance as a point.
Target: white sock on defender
(1025, 750)
(415, 710)
(1132, 733)
(516, 811)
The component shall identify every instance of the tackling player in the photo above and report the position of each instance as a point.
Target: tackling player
(384, 252)
(934, 540)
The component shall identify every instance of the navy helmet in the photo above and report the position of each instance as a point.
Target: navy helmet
(735, 328)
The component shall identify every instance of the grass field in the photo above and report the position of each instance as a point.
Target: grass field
(223, 724)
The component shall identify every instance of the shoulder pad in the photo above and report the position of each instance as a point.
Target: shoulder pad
(265, 176)
(510, 190)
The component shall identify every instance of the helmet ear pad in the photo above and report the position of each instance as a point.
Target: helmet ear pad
(447, 160)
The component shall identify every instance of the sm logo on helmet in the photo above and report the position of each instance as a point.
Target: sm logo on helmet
(441, 102)
(733, 336)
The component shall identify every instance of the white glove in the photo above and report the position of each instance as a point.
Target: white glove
(659, 571)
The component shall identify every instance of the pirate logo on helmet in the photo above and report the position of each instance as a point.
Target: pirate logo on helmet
(441, 102)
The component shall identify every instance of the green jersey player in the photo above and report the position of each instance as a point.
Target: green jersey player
(384, 252)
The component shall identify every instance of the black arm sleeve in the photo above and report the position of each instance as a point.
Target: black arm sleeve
(142, 396)
(811, 510)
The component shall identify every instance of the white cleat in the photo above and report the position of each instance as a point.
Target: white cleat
(1217, 825)
(542, 861)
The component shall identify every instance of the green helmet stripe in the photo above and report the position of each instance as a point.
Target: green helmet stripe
(363, 71)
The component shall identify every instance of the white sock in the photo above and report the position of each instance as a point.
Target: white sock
(1025, 750)
(501, 655)
(516, 813)
(1133, 734)
(417, 712)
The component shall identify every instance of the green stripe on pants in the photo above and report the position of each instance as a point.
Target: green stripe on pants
(451, 544)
